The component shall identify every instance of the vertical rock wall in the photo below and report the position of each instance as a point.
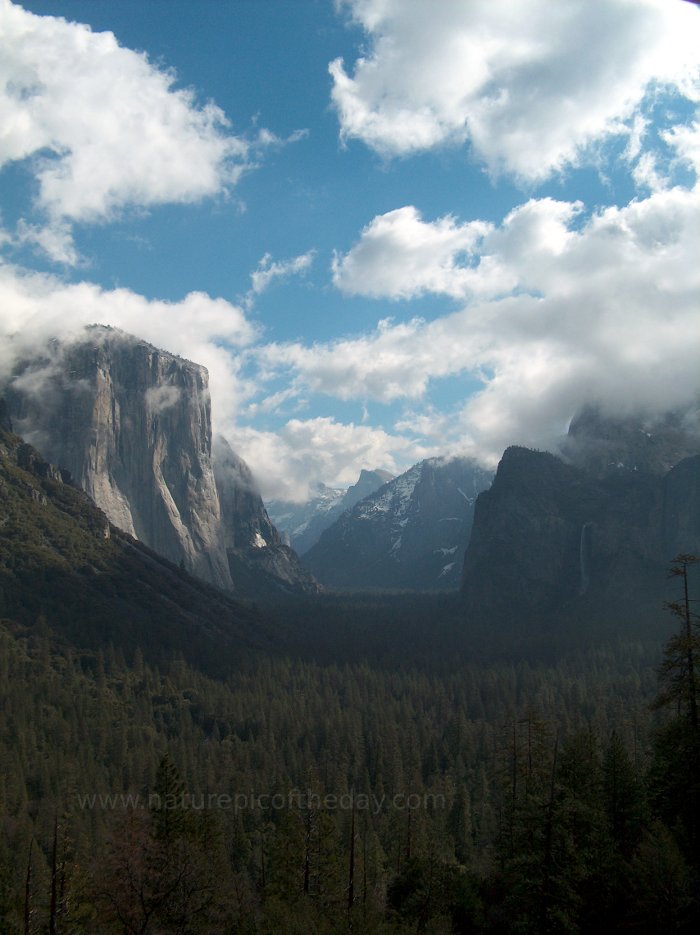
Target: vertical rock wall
(133, 426)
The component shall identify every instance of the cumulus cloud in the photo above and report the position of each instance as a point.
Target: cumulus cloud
(685, 141)
(529, 86)
(401, 256)
(287, 463)
(35, 308)
(602, 311)
(104, 128)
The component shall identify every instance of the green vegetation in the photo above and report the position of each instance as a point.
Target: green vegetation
(533, 794)
(385, 770)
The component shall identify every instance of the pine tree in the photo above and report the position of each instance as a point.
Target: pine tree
(675, 773)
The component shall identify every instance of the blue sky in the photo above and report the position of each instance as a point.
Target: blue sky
(389, 228)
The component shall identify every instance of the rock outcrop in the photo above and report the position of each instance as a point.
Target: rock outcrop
(132, 425)
(259, 561)
(409, 534)
(554, 539)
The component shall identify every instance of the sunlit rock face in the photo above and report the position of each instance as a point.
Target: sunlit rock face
(132, 424)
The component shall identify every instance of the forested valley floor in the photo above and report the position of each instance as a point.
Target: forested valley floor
(385, 771)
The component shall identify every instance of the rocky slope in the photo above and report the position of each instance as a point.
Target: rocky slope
(132, 424)
(592, 539)
(411, 533)
(64, 567)
(259, 560)
(303, 523)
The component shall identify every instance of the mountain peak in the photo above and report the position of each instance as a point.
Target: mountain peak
(409, 534)
(304, 523)
(651, 443)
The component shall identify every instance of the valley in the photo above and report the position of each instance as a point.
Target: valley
(325, 752)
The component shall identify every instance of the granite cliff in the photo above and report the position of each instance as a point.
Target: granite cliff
(589, 538)
(132, 424)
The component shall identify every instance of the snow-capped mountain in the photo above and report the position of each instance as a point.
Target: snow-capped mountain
(303, 523)
(411, 533)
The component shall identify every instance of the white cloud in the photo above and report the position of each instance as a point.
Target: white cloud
(401, 256)
(104, 128)
(269, 270)
(529, 85)
(54, 239)
(604, 310)
(685, 140)
(288, 463)
(35, 308)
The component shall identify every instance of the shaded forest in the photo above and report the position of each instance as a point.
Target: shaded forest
(426, 794)
(174, 761)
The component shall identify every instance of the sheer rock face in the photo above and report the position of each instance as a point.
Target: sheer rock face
(132, 424)
(258, 559)
(593, 537)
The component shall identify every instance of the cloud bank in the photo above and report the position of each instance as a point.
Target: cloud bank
(603, 310)
(528, 85)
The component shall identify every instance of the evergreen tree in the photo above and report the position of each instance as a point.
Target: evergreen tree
(675, 773)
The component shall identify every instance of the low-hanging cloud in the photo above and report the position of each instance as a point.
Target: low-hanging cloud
(603, 311)
(529, 86)
(36, 308)
(287, 463)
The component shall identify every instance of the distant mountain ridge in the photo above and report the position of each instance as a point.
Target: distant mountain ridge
(303, 523)
(132, 424)
(409, 534)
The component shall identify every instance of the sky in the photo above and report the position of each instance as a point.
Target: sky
(390, 229)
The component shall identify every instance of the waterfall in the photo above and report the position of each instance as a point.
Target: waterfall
(585, 558)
